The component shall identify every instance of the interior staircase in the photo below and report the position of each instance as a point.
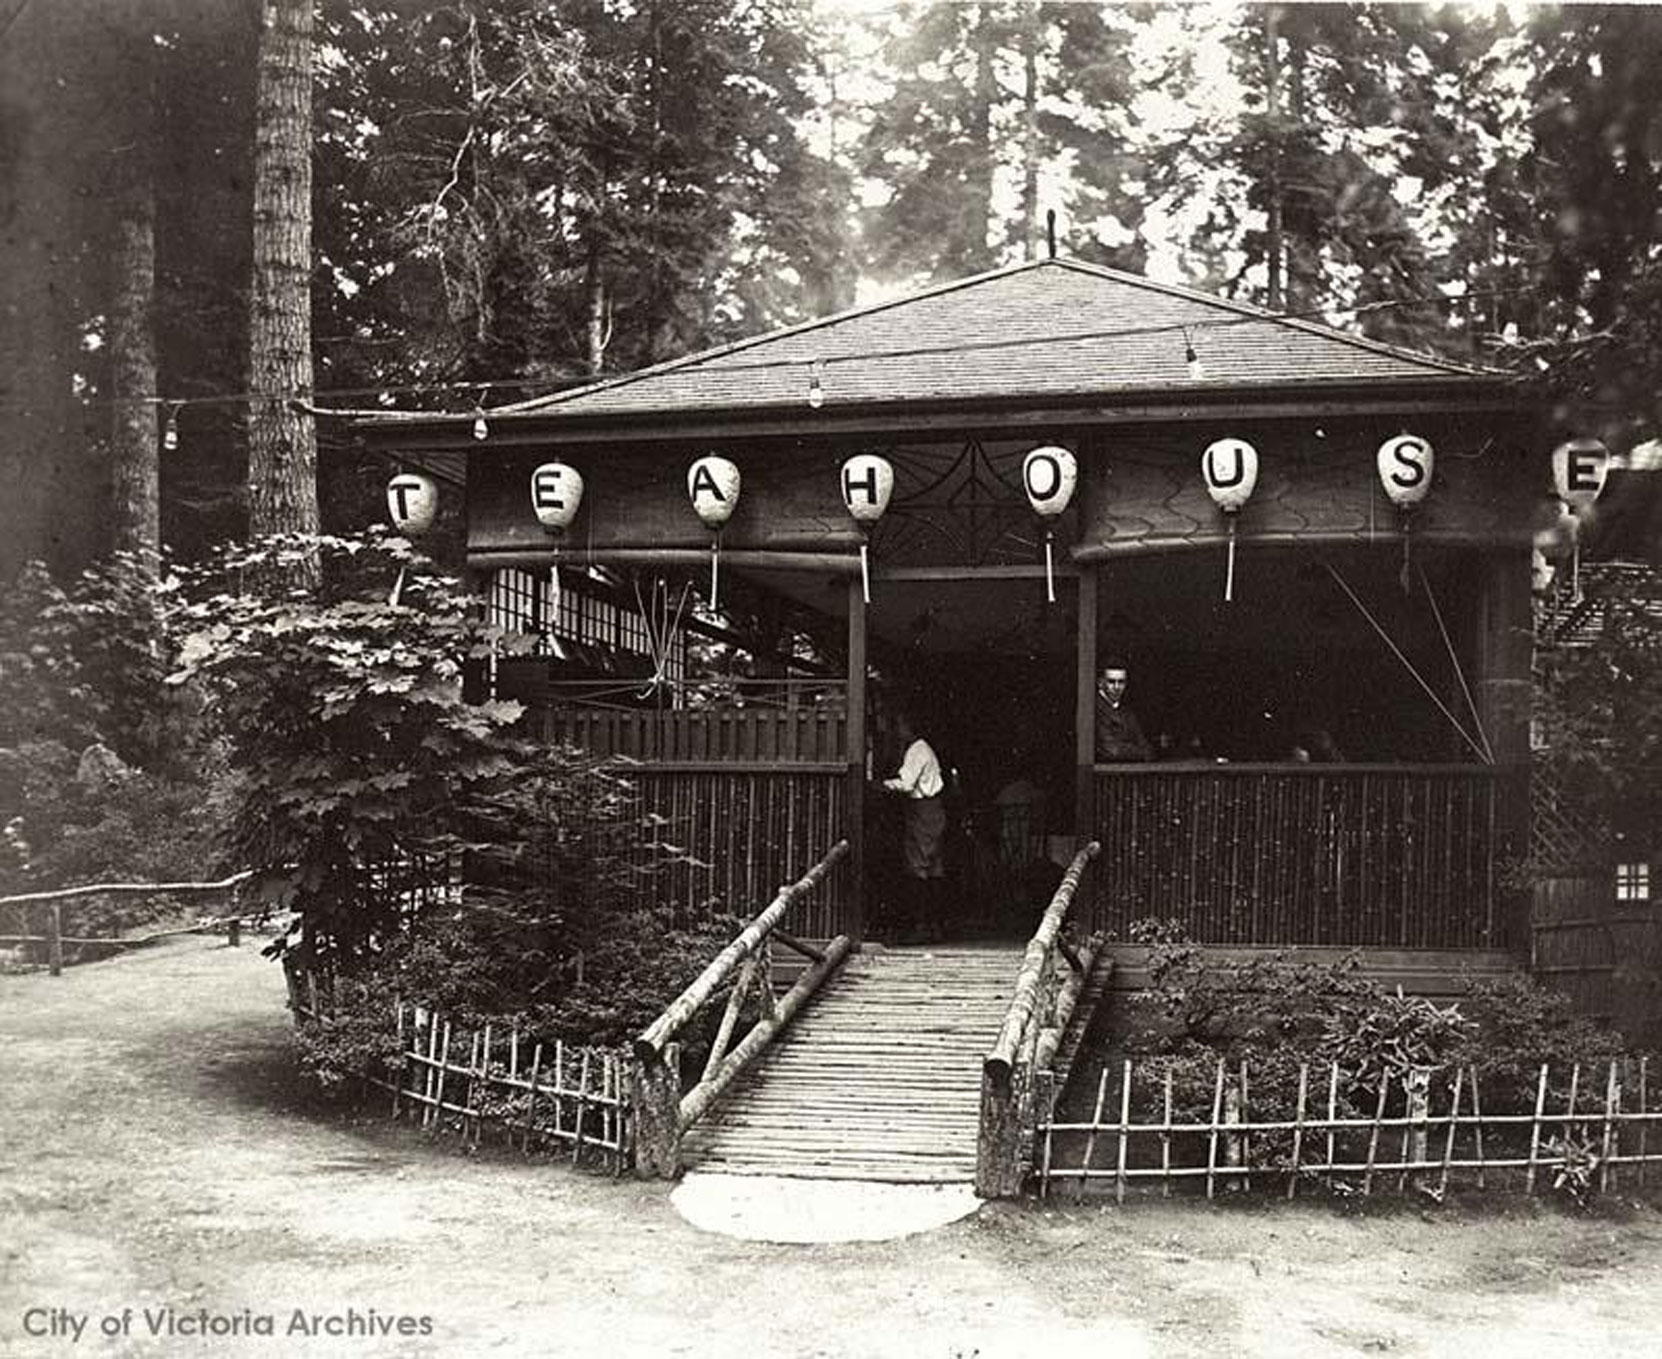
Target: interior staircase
(878, 1079)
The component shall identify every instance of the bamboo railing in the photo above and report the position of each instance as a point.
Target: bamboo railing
(663, 1113)
(1016, 1076)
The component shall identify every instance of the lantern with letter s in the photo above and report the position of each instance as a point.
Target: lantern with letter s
(713, 487)
(1049, 475)
(1229, 467)
(868, 485)
(1405, 463)
(1579, 469)
(413, 504)
(556, 496)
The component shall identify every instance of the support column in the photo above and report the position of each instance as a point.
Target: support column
(1084, 710)
(1505, 656)
(856, 785)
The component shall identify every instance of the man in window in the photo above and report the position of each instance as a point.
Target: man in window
(1119, 736)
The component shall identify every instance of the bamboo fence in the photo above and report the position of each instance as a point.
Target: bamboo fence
(1418, 1130)
(532, 1094)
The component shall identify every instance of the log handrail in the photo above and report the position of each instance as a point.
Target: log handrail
(1039, 955)
(650, 1044)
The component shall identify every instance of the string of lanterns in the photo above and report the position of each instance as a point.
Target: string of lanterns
(1050, 475)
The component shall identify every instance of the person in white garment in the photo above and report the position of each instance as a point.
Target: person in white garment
(920, 783)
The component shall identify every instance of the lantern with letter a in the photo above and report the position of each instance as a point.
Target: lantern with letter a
(1049, 475)
(1405, 464)
(1579, 469)
(1230, 469)
(413, 504)
(868, 484)
(713, 487)
(556, 496)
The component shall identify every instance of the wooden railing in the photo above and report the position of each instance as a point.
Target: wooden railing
(778, 735)
(1017, 1072)
(1373, 855)
(663, 1114)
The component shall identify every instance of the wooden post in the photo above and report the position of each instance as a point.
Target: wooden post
(54, 938)
(655, 1095)
(856, 795)
(1084, 707)
(1505, 652)
(998, 1170)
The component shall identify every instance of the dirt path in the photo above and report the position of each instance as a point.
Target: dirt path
(155, 1152)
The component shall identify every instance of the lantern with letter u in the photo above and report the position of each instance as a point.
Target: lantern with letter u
(1049, 475)
(1579, 470)
(868, 485)
(713, 487)
(1230, 469)
(1405, 464)
(413, 504)
(556, 496)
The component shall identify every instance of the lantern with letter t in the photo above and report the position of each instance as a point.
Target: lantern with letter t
(556, 496)
(413, 504)
(1049, 475)
(1230, 468)
(713, 487)
(868, 483)
(1579, 469)
(1405, 464)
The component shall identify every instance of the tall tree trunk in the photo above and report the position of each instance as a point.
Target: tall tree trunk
(978, 251)
(1272, 107)
(1030, 135)
(282, 438)
(135, 472)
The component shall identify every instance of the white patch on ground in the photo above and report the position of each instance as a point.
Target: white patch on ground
(779, 1208)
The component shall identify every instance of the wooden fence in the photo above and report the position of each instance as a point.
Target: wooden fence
(1399, 856)
(1353, 1136)
(784, 734)
(533, 1094)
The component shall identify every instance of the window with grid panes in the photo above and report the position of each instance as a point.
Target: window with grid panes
(1633, 882)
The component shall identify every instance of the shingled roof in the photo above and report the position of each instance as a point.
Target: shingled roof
(1047, 329)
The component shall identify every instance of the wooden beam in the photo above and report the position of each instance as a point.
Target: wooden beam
(970, 573)
(755, 559)
(1152, 544)
(855, 800)
(1084, 705)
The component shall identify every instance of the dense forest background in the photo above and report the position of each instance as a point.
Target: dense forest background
(507, 196)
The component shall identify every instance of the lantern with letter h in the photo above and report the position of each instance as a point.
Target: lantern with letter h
(556, 496)
(413, 504)
(868, 483)
(713, 487)
(1579, 469)
(1230, 469)
(1049, 475)
(1405, 464)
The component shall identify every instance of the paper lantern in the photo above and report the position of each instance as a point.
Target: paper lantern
(1405, 466)
(413, 503)
(1049, 475)
(868, 484)
(1229, 468)
(1579, 469)
(713, 487)
(556, 496)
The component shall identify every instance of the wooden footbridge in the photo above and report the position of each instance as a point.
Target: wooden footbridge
(914, 1065)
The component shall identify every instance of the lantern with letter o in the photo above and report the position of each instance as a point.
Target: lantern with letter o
(1229, 467)
(713, 487)
(1579, 469)
(1406, 463)
(556, 496)
(868, 485)
(1049, 475)
(413, 504)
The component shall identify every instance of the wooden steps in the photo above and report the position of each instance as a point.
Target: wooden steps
(879, 1079)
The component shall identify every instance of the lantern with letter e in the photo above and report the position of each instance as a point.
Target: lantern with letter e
(1405, 465)
(868, 484)
(1579, 469)
(713, 487)
(1049, 475)
(413, 504)
(1230, 469)
(556, 496)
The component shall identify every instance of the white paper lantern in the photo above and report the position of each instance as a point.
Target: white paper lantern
(413, 502)
(713, 486)
(1230, 469)
(1405, 464)
(1579, 469)
(868, 485)
(556, 495)
(1049, 475)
